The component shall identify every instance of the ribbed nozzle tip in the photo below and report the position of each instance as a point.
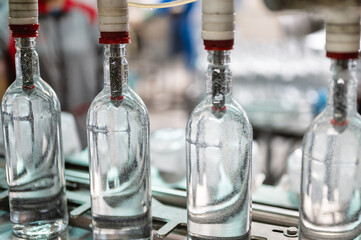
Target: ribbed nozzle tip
(342, 33)
(113, 16)
(23, 12)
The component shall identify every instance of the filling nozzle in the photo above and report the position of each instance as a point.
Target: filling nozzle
(342, 32)
(218, 21)
(24, 24)
(340, 96)
(219, 86)
(23, 18)
(342, 45)
(118, 69)
(114, 31)
(28, 66)
(218, 80)
(113, 18)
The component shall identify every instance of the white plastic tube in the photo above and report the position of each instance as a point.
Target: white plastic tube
(161, 5)
(23, 12)
(342, 30)
(218, 20)
(113, 16)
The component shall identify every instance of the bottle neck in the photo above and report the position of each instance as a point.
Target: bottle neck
(26, 62)
(342, 91)
(219, 81)
(115, 69)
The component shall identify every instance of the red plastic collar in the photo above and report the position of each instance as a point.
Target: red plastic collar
(221, 45)
(29, 88)
(24, 31)
(340, 124)
(354, 55)
(116, 99)
(219, 109)
(114, 37)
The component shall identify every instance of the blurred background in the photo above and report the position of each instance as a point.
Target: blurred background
(280, 77)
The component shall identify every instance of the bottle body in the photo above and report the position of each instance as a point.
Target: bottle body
(118, 135)
(219, 150)
(34, 161)
(331, 170)
(219, 173)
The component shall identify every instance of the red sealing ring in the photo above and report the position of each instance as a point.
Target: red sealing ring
(221, 45)
(341, 124)
(219, 109)
(29, 88)
(114, 38)
(24, 31)
(343, 56)
(116, 99)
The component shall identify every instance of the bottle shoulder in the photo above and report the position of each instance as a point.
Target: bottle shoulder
(233, 118)
(324, 123)
(325, 142)
(41, 93)
(324, 136)
(130, 105)
(232, 111)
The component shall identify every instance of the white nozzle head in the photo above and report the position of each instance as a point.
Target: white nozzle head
(218, 20)
(342, 30)
(23, 12)
(113, 15)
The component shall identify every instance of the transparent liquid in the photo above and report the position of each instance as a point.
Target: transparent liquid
(219, 174)
(331, 199)
(120, 186)
(34, 163)
(38, 218)
(114, 227)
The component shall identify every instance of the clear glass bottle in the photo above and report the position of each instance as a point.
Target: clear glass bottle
(118, 135)
(219, 150)
(331, 170)
(33, 148)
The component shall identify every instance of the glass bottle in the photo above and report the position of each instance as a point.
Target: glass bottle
(33, 148)
(118, 135)
(219, 150)
(331, 170)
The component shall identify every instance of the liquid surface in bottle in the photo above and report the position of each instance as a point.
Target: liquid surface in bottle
(219, 146)
(118, 143)
(31, 125)
(331, 201)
